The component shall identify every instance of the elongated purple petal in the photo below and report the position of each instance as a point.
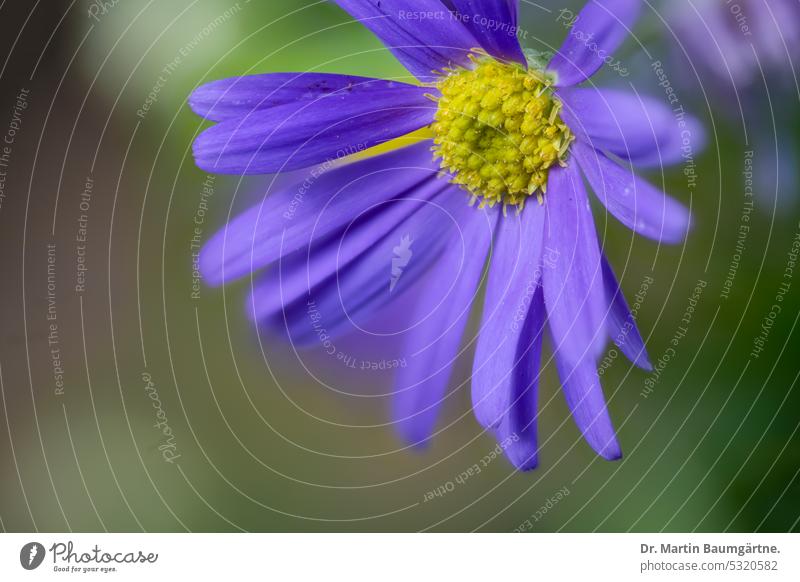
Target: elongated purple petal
(517, 433)
(621, 323)
(291, 136)
(494, 24)
(593, 36)
(634, 202)
(382, 274)
(445, 298)
(304, 272)
(638, 128)
(585, 399)
(238, 97)
(325, 202)
(502, 357)
(421, 34)
(572, 271)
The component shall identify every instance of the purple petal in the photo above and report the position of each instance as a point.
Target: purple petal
(517, 431)
(621, 323)
(382, 275)
(572, 271)
(445, 297)
(326, 201)
(421, 34)
(593, 36)
(502, 355)
(635, 203)
(304, 272)
(585, 399)
(640, 129)
(298, 135)
(241, 96)
(494, 24)
(576, 305)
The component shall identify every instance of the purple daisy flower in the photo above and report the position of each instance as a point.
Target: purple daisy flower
(496, 175)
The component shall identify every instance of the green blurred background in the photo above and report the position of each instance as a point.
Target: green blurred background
(263, 446)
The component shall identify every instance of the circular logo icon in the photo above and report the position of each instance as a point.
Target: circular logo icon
(31, 555)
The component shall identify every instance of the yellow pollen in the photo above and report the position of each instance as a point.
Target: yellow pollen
(498, 131)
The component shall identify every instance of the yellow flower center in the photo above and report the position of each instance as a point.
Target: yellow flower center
(498, 131)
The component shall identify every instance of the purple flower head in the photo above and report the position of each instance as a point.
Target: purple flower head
(500, 144)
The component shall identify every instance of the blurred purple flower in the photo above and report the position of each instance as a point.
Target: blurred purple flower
(736, 41)
(346, 239)
(746, 54)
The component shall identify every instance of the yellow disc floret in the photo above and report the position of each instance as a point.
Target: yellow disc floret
(498, 131)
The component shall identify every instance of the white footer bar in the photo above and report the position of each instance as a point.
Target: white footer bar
(401, 557)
